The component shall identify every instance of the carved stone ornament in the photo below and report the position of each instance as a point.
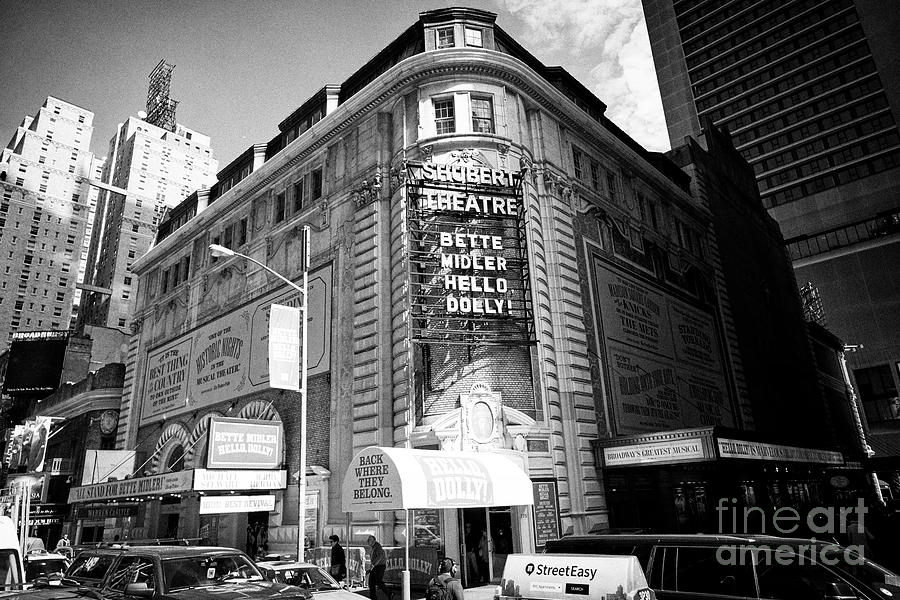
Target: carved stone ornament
(503, 154)
(469, 154)
(367, 191)
(557, 184)
(528, 166)
(136, 325)
(428, 153)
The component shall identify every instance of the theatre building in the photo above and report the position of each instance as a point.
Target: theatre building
(475, 220)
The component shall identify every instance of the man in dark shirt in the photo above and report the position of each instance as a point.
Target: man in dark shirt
(378, 561)
(338, 559)
(447, 574)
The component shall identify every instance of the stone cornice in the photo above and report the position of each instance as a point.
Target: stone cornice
(408, 73)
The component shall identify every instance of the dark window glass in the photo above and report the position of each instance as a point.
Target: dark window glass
(279, 207)
(701, 571)
(317, 184)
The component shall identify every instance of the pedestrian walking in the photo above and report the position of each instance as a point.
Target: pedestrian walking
(445, 585)
(338, 568)
(378, 561)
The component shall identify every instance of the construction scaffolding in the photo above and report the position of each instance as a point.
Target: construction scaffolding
(161, 108)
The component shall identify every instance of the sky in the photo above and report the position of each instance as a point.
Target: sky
(242, 66)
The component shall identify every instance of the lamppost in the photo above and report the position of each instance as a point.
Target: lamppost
(217, 250)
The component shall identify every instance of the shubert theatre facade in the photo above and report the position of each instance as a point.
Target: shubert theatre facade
(485, 253)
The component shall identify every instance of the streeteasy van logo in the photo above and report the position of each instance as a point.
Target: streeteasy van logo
(566, 571)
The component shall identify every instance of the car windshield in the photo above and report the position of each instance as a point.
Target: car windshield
(196, 571)
(89, 567)
(312, 578)
(885, 583)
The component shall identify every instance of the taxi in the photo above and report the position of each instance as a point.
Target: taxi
(573, 577)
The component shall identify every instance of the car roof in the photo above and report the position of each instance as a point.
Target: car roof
(697, 539)
(164, 552)
(285, 564)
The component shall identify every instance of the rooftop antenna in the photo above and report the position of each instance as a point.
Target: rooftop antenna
(161, 108)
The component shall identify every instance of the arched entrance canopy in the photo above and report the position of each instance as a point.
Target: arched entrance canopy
(401, 478)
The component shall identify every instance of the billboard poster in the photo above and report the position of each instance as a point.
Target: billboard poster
(35, 361)
(229, 357)
(243, 444)
(663, 356)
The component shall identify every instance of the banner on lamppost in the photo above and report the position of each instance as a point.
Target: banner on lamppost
(284, 347)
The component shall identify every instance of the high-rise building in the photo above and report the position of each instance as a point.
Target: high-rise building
(809, 91)
(150, 168)
(43, 217)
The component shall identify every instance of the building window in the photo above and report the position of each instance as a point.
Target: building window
(578, 162)
(279, 208)
(445, 37)
(316, 184)
(482, 115)
(444, 118)
(611, 187)
(242, 232)
(473, 37)
(878, 392)
(298, 195)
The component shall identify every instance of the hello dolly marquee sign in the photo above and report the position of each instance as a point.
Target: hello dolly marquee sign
(468, 264)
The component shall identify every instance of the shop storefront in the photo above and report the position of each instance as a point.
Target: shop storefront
(713, 480)
(481, 501)
(227, 503)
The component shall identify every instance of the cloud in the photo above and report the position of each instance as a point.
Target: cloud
(604, 44)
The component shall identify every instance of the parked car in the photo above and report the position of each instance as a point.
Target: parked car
(306, 575)
(731, 567)
(49, 566)
(175, 573)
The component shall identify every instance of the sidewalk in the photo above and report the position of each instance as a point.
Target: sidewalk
(482, 592)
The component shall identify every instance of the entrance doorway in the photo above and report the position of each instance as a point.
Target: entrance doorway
(486, 538)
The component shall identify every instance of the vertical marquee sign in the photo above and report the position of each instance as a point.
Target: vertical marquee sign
(468, 264)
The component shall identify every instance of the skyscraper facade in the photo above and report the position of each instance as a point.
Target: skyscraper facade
(44, 215)
(153, 169)
(809, 91)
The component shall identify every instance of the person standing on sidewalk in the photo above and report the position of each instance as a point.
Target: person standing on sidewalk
(338, 568)
(376, 574)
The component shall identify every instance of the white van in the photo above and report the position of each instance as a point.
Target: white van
(573, 577)
(12, 574)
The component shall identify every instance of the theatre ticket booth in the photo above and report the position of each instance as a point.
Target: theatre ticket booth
(479, 488)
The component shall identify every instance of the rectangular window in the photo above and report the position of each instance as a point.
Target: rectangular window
(473, 37)
(444, 118)
(279, 207)
(611, 187)
(595, 176)
(228, 236)
(482, 115)
(445, 37)
(317, 184)
(242, 232)
(298, 195)
(578, 162)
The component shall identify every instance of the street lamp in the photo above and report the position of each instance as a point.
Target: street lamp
(221, 251)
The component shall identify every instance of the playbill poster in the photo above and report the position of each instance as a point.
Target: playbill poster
(663, 357)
